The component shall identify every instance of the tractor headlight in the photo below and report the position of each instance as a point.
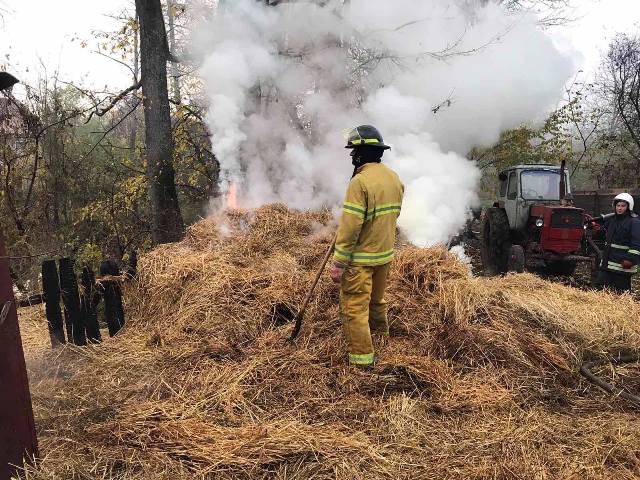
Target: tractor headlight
(539, 223)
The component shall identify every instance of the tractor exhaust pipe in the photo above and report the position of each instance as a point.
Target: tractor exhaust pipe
(563, 180)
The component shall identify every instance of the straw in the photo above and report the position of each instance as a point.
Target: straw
(478, 380)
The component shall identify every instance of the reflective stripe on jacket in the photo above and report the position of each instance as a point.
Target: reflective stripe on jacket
(622, 243)
(367, 230)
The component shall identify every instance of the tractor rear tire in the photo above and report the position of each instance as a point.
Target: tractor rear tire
(516, 259)
(496, 241)
(562, 268)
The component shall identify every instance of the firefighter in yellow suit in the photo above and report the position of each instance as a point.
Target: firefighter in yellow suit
(364, 243)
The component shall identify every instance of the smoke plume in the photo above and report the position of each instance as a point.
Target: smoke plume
(436, 77)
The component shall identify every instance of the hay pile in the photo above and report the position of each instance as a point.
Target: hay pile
(477, 381)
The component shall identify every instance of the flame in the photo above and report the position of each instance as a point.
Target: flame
(231, 202)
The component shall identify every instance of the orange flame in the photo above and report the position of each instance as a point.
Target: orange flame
(232, 197)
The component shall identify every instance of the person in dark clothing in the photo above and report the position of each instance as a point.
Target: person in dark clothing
(621, 255)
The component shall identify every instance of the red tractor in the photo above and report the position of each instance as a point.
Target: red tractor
(534, 223)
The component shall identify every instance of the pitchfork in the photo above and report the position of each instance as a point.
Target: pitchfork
(300, 314)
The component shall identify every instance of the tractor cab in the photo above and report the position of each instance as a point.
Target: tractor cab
(524, 186)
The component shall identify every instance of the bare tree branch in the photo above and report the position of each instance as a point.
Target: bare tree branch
(101, 112)
(110, 129)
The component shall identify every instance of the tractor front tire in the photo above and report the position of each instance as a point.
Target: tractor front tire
(496, 241)
(516, 259)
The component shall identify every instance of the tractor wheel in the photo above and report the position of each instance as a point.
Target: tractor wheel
(496, 241)
(516, 259)
(559, 267)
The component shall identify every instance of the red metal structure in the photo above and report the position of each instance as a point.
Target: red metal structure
(17, 426)
(562, 232)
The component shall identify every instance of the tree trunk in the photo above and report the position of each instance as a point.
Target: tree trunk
(167, 224)
(133, 133)
(175, 74)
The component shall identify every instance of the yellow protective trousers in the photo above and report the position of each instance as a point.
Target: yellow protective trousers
(363, 309)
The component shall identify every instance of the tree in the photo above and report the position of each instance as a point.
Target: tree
(623, 68)
(175, 76)
(167, 223)
(550, 143)
(74, 179)
(551, 12)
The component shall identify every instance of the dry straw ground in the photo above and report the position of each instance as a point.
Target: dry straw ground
(478, 380)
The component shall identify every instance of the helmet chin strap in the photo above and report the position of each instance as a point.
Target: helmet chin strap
(356, 157)
(355, 161)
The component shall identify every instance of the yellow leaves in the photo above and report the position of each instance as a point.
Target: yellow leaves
(133, 25)
(131, 191)
(128, 193)
(551, 143)
(180, 113)
(92, 210)
(89, 254)
(193, 178)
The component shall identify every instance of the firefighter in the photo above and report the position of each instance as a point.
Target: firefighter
(364, 243)
(621, 254)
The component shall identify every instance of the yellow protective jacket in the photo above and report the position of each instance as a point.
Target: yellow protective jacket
(367, 230)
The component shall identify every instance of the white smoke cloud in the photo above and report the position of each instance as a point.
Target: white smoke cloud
(284, 82)
(459, 252)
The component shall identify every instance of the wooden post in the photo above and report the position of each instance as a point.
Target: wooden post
(51, 290)
(71, 299)
(132, 269)
(88, 282)
(17, 426)
(114, 312)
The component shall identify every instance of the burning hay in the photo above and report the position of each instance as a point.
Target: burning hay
(478, 380)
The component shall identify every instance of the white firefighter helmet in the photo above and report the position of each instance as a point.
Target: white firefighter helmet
(624, 197)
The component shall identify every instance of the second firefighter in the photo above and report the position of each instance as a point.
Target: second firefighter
(621, 255)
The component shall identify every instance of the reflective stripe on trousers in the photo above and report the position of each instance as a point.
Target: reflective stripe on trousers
(363, 309)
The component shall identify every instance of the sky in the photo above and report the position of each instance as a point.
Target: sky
(596, 22)
(38, 34)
